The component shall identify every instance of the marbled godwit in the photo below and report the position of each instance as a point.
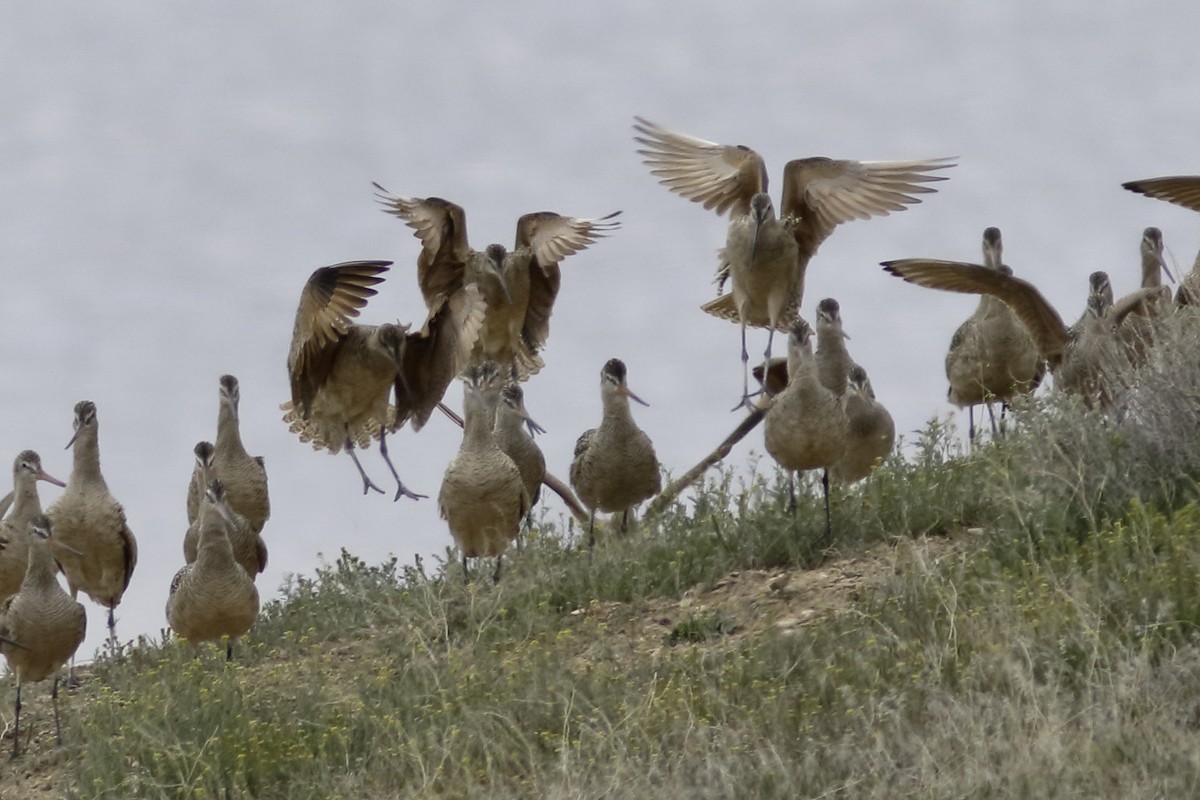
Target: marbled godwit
(614, 467)
(870, 431)
(41, 627)
(243, 475)
(249, 549)
(1085, 343)
(805, 427)
(765, 256)
(213, 597)
(342, 373)
(482, 496)
(92, 541)
(14, 529)
(520, 286)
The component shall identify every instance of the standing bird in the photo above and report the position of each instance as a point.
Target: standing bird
(14, 529)
(512, 432)
(614, 467)
(805, 427)
(342, 374)
(833, 359)
(1182, 190)
(249, 549)
(89, 520)
(992, 357)
(1082, 349)
(41, 627)
(520, 286)
(213, 597)
(482, 496)
(243, 475)
(765, 256)
(1137, 334)
(870, 431)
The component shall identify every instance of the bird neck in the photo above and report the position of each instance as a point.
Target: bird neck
(229, 434)
(802, 367)
(26, 504)
(478, 422)
(509, 424)
(42, 568)
(86, 456)
(617, 411)
(215, 549)
(1151, 271)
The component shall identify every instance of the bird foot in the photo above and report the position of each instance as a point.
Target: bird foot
(368, 485)
(746, 402)
(403, 491)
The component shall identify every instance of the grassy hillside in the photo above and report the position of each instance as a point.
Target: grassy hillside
(1021, 620)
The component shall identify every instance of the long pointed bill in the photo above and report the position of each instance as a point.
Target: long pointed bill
(64, 546)
(74, 436)
(754, 242)
(623, 389)
(1162, 263)
(42, 476)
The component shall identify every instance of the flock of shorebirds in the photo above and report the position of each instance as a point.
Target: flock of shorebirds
(487, 322)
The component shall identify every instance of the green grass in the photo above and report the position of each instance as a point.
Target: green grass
(1052, 650)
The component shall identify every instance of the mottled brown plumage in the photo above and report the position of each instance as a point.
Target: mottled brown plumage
(482, 497)
(243, 475)
(213, 597)
(519, 285)
(1182, 190)
(14, 529)
(512, 435)
(1086, 343)
(343, 373)
(41, 627)
(614, 467)
(92, 541)
(805, 427)
(765, 256)
(249, 549)
(870, 431)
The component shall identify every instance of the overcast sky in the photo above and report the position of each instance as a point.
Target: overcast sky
(173, 172)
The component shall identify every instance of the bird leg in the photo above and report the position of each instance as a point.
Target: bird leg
(466, 572)
(112, 630)
(54, 702)
(745, 401)
(367, 483)
(971, 425)
(228, 650)
(591, 531)
(992, 417)
(401, 491)
(792, 492)
(828, 521)
(17, 723)
(496, 574)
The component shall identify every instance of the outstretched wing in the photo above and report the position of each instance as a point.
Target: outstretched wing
(1039, 317)
(1182, 190)
(720, 176)
(550, 238)
(442, 228)
(331, 298)
(821, 193)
